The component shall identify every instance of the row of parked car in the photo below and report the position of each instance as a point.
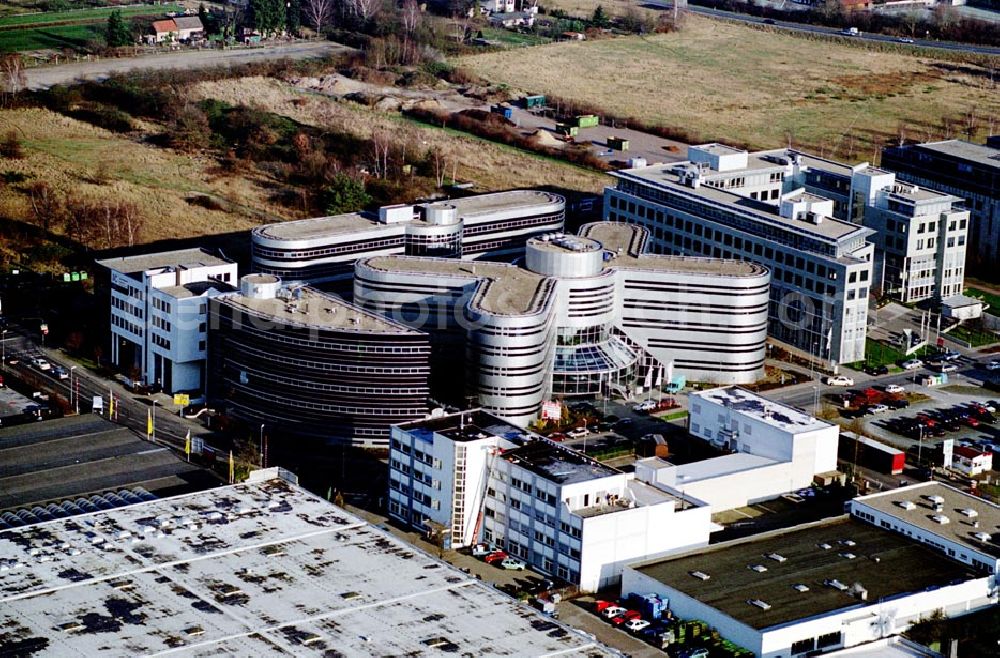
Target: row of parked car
(937, 422)
(648, 617)
(498, 558)
(42, 365)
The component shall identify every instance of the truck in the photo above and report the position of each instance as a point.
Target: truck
(850, 32)
(870, 453)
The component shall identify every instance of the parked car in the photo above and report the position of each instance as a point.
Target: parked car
(601, 605)
(904, 40)
(512, 564)
(495, 556)
(839, 380)
(13, 360)
(897, 404)
(877, 408)
(578, 433)
(635, 625)
(876, 370)
(993, 364)
(950, 355)
(482, 550)
(700, 652)
(557, 436)
(626, 616)
(912, 364)
(613, 611)
(894, 388)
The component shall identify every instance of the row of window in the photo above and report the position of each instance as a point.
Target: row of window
(123, 305)
(122, 323)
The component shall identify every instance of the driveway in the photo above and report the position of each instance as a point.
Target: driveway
(99, 69)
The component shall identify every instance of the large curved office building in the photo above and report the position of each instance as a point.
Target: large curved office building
(309, 365)
(581, 315)
(323, 250)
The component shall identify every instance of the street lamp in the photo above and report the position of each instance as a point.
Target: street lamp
(3, 341)
(75, 397)
(920, 445)
(262, 445)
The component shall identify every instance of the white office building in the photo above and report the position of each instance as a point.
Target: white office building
(829, 232)
(815, 588)
(775, 448)
(159, 314)
(323, 250)
(964, 527)
(582, 315)
(563, 513)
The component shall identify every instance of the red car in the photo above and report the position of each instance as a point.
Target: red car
(557, 436)
(971, 421)
(496, 556)
(599, 605)
(621, 619)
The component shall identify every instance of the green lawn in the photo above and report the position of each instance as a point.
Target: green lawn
(84, 15)
(513, 38)
(883, 354)
(973, 335)
(58, 37)
(988, 297)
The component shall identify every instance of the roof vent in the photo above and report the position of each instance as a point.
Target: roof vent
(937, 500)
(825, 546)
(763, 605)
(849, 542)
(800, 587)
(907, 504)
(700, 575)
(848, 556)
(759, 568)
(982, 536)
(941, 519)
(969, 512)
(776, 557)
(835, 584)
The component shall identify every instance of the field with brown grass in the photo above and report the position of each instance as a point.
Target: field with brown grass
(490, 166)
(763, 88)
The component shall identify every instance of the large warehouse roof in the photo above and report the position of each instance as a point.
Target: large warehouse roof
(262, 568)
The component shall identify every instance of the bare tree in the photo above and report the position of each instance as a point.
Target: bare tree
(318, 13)
(440, 165)
(409, 15)
(380, 144)
(364, 10)
(46, 205)
(12, 78)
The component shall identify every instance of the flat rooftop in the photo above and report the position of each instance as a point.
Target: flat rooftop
(472, 209)
(978, 153)
(956, 503)
(557, 463)
(181, 259)
(719, 149)
(315, 309)
(65, 458)
(812, 556)
(773, 413)
(517, 290)
(196, 289)
(830, 229)
(468, 425)
(716, 467)
(261, 568)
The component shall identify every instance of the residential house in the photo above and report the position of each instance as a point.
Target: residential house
(970, 461)
(189, 28)
(164, 31)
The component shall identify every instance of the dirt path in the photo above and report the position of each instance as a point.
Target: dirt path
(45, 77)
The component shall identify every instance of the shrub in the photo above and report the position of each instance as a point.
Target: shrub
(345, 194)
(11, 146)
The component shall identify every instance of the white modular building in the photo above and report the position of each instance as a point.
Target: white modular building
(776, 449)
(563, 513)
(581, 315)
(159, 310)
(323, 250)
(814, 588)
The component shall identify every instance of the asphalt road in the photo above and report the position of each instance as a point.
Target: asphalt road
(818, 29)
(46, 76)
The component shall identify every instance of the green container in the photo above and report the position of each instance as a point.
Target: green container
(587, 121)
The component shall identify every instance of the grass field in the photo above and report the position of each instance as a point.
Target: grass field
(988, 297)
(767, 89)
(57, 37)
(511, 38)
(91, 15)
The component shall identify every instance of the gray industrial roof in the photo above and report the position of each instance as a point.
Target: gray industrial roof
(262, 568)
(311, 308)
(956, 507)
(181, 258)
(748, 403)
(885, 564)
(979, 153)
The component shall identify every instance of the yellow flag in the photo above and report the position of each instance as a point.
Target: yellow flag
(149, 423)
(232, 472)
(187, 445)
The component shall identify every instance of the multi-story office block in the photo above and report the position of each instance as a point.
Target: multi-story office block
(323, 250)
(726, 204)
(967, 170)
(562, 512)
(830, 233)
(158, 314)
(582, 315)
(311, 366)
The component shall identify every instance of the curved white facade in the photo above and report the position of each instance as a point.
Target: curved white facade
(584, 314)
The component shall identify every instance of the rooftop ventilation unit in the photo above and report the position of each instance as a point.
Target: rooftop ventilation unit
(937, 500)
(941, 519)
(759, 568)
(969, 512)
(835, 584)
(907, 504)
(849, 542)
(800, 587)
(763, 605)
(700, 575)
(776, 557)
(848, 556)
(982, 536)
(825, 546)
